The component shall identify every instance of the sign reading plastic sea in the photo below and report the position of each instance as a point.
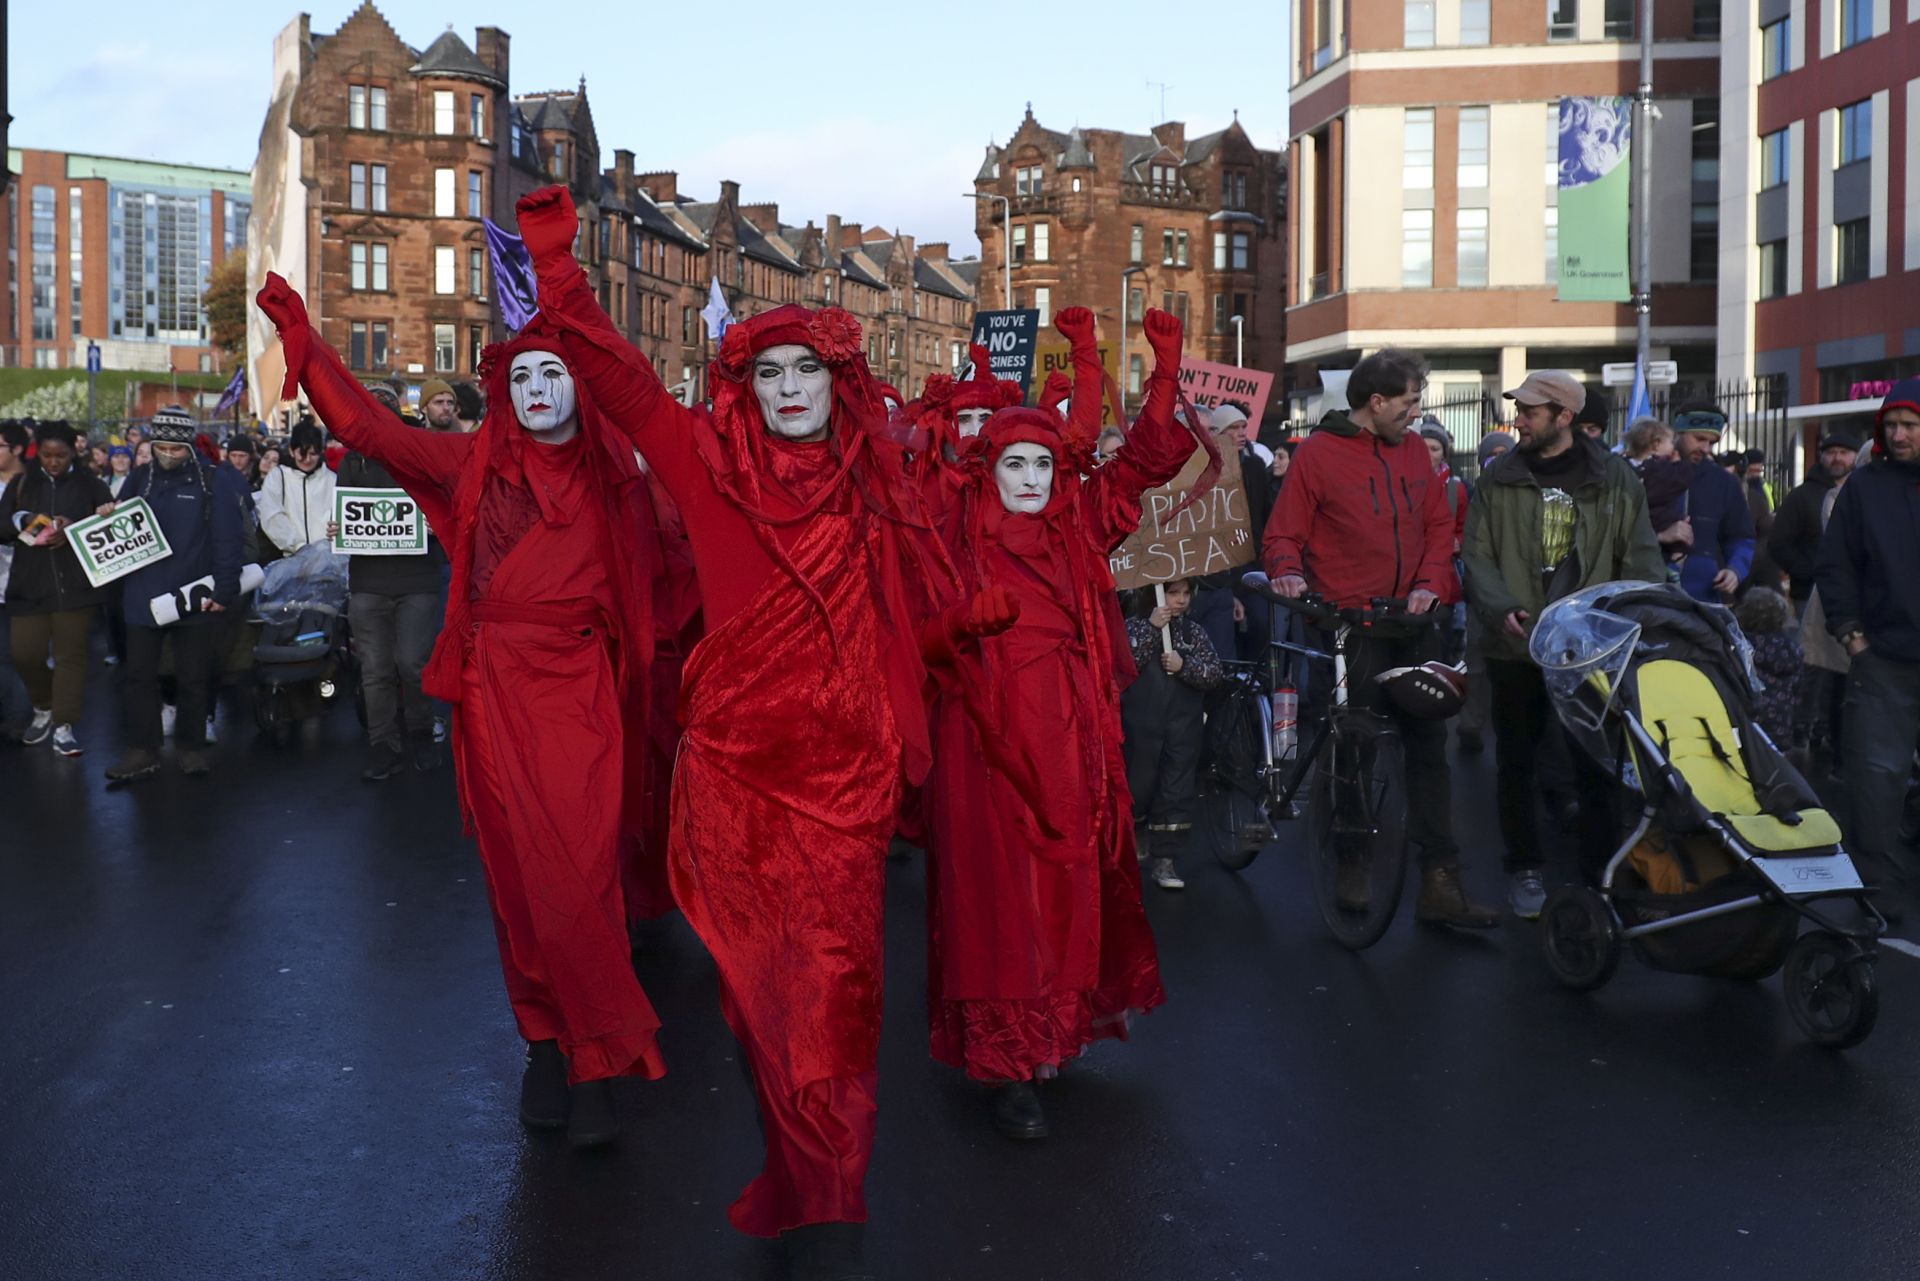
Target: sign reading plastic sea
(1009, 337)
(377, 522)
(1211, 535)
(112, 546)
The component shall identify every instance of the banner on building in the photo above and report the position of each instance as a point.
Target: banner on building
(1208, 385)
(1051, 356)
(1213, 534)
(1596, 179)
(377, 522)
(112, 546)
(1010, 338)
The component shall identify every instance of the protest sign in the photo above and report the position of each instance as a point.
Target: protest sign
(1009, 337)
(1049, 356)
(377, 522)
(111, 547)
(1208, 385)
(1211, 535)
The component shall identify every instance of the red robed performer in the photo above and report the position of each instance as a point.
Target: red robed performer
(1040, 943)
(949, 413)
(544, 657)
(802, 705)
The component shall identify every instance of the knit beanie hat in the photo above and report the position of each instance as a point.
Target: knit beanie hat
(173, 426)
(1491, 441)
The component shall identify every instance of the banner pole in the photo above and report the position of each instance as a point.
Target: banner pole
(1166, 632)
(1643, 192)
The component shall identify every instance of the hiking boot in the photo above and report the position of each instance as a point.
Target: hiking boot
(383, 762)
(591, 1120)
(426, 755)
(1526, 893)
(1016, 1111)
(193, 762)
(824, 1252)
(134, 766)
(1352, 886)
(543, 1087)
(64, 742)
(1165, 877)
(40, 729)
(1443, 901)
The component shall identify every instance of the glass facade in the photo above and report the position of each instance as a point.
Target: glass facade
(160, 256)
(45, 206)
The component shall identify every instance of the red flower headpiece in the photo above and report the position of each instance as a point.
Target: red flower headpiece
(832, 333)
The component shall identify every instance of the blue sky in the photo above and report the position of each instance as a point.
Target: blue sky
(879, 115)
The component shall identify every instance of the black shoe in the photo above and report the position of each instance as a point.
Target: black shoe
(426, 754)
(193, 762)
(383, 762)
(592, 1122)
(1016, 1111)
(825, 1252)
(543, 1087)
(137, 764)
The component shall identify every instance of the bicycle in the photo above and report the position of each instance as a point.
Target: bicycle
(1356, 807)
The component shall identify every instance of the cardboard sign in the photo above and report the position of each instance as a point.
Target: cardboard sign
(1208, 384)
(377, 522)
(111, 547)
(1049, 356)
(1009, 337)
(1212, 535)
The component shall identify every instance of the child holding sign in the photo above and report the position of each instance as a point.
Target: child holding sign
(1163, 716)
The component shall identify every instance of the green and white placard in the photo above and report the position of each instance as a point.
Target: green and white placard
(377, 522)
(112, 546)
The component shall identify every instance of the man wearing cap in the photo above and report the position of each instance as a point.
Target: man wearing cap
(1719, 525)
(1556, 515)
(1870, 590)
(438, 405)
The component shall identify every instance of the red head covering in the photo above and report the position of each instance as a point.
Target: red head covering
(943, 397)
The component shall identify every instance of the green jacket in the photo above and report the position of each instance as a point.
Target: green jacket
(1613, 539)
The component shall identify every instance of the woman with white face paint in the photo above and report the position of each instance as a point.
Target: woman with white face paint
(544, 656)
(951, 413)
(1040, 942)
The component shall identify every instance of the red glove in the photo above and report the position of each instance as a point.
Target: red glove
(1163, 335)
(1075, 325)
(991, 611)
(548, 223)
(289, 315)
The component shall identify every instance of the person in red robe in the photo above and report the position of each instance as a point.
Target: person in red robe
(544, 658)
(947, 417)
(1040, 945)
(802, 709)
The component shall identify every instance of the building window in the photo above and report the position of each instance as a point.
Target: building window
(1233, 190)
(443, 111)
(1019, 244)
(1041, 233)
(1027, 181)
(1164, 179)
(558, 165)
(1856, 22)
(1553, 244)
(1476, 22)
(1856, 132)
(1416, 150)
(443, 349)
(1416, 248)
(379, 268)
(1850, 252)
(1322, 33)
(1179, 248)
(356, 186)
(356, 106)
(377, 109)
(476, 204)
(1776, 48)
(477, 115)
(75, 260)
(476, 346)
(1773, 159)
(1563, 19)
(1704, 249)
(1473, 148)
(1136, 367)
(357, 345)
(1242, 251)
(1043, 300)
(357, 269)
(1471, 228)
(1136, 304)
(1773, 269)
(1166, 247)
(1180, 308)
(476, 273)
(1617, 20)
(1419, 33)
(1219, 251)
(379, 185)
(443, 279)
(443, 193)
(1706, 19)
(1219, 313)
(1138, 245)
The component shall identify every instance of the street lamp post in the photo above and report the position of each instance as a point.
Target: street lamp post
(1239, 340)
(1126, 321)
(1006, 238)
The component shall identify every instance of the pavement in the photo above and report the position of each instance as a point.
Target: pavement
(254, 1028)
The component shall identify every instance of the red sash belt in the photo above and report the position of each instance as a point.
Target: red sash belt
(492, 611)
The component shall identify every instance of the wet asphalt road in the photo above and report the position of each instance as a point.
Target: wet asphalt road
(254, 1028)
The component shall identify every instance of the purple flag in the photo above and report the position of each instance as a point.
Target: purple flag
(512, 276)
(235, 390)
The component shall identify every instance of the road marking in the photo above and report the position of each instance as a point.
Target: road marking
(1901, 945)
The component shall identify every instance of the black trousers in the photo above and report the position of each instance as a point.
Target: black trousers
(1162, 721)
(1525, 733)
(195, 668)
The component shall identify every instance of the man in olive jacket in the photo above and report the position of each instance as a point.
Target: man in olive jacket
(1555, 515)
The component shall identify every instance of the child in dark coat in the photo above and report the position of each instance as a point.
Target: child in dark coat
(1767, 619)
(1161, 714)
(1665, 476)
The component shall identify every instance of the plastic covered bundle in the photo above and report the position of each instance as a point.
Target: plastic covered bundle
(314, 575)
(1583, 650)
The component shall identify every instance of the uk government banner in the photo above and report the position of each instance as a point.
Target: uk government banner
(1596, 145)
(112, 546)
(377, 522)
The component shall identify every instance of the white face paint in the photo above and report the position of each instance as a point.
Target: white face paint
(1024, 473)
(795, 389)
(969, 421)
(543, 396)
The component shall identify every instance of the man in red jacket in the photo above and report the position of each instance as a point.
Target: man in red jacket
(1362, 516)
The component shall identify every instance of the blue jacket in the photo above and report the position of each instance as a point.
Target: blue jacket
(1722, 530)
(200, 510)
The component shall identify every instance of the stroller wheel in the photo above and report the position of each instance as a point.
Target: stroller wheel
(1580, 937)
(1830, 990)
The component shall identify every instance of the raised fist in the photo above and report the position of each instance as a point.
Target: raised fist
(548, 222)
(1075, 324)
(1163, 335)
(281, 304)
(990, 612)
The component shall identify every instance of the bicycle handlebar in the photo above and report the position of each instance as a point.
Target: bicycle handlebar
(1317, 609)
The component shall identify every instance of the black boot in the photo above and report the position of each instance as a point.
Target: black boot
(1016, 1111)
(592, 1122)
(825, 1252)
(543, 1087)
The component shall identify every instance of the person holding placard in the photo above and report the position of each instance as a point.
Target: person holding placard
(50, 602)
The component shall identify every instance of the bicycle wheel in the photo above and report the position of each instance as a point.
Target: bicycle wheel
(1358, 830)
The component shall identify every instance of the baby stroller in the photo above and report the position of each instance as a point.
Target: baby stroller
(301, 658)
(1732, 851)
